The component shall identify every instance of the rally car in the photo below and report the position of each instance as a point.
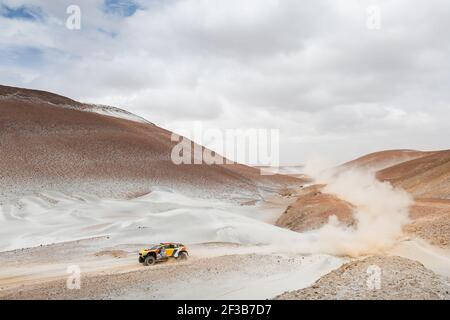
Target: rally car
(163, 252)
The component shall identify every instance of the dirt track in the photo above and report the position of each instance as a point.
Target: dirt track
(114, 273)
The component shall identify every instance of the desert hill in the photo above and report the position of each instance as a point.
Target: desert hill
(425, 175)
(384, 159)
(53, 143)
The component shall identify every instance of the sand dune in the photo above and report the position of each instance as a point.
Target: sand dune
(160, 216)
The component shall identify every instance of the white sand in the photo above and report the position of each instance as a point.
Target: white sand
(157, 217)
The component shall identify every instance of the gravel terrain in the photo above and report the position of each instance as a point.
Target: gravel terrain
(400, 279)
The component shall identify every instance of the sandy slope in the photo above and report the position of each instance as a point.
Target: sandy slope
(412, 269)
(384, 159)
(312, 210)
(432, 257)
(428, 180)
(160, 216)
(425, 174)
(49, 143)
(430, 220)
(401, 278)
(425, 177)
(38, 96)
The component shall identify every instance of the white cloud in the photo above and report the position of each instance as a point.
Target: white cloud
(310, 68)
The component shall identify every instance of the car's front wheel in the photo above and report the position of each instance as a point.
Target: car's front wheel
(149, 260)
(141, 260)
(182, 256)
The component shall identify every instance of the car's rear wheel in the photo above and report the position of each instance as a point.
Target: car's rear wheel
(149, 260)
(182, 256)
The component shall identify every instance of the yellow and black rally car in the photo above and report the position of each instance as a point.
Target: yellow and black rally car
(162, 252)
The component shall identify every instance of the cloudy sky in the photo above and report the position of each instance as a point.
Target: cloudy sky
(333, 80)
